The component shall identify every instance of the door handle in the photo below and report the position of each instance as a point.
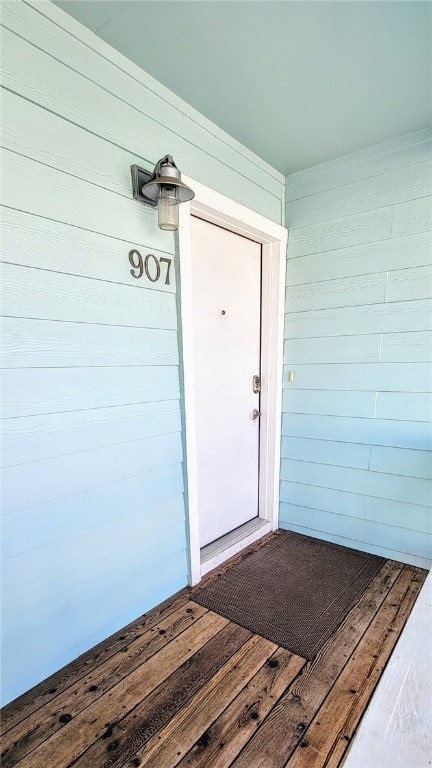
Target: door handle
(255, 414)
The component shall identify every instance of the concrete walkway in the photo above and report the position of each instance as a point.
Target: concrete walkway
(396, 731)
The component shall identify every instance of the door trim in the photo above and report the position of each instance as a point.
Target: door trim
(220, 210)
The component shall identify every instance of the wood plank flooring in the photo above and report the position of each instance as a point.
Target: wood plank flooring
(184, 687)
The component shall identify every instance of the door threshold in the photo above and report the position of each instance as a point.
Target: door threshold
(233, 542)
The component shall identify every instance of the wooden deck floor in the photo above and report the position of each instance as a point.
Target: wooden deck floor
(183, 686)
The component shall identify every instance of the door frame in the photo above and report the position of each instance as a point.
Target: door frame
(220, 210)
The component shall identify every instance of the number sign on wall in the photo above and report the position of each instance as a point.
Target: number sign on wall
(151, 265)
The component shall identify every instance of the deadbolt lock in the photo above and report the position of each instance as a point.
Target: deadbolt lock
(256, 384)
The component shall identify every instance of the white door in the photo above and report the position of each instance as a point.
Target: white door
(226, 286)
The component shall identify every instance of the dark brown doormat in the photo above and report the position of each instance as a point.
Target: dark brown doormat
(295, 590)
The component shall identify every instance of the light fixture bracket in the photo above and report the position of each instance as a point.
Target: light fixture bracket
(139, 178)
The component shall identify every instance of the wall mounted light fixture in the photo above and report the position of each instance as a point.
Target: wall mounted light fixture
(163, 189)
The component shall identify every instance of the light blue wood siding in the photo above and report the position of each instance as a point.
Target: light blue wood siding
(356, 461)
(92, 460)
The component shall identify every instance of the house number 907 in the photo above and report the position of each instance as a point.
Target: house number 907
(150, 265)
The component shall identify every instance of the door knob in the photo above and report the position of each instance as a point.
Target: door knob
(255, 414)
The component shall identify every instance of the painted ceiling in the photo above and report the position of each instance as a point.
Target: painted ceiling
(298, 83)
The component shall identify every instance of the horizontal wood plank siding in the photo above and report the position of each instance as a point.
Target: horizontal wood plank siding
(356, 419)
(389, 188)
(92, 459)
(373, 161)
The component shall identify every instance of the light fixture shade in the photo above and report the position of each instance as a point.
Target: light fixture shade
(183, 192)
(166, 174)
